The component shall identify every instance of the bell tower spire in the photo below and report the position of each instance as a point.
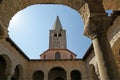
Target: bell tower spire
(57, 25)
(57, 39)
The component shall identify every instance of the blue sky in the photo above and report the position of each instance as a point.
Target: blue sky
(29, 29)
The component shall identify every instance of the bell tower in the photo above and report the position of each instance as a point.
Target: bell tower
(57, 39)
(57, 44)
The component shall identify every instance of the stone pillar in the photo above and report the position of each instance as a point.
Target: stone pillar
(8, 75)
(93, 75)
(9, 72)
(46, 75)
(68, 75)
(96, 30)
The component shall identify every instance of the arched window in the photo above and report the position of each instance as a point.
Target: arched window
(38, 75)
(55, 35)
(75, 75)
(44, 56)
(60, 35)
(3, 66)
(16, 74)
(59, 78)
(71, 56)
(57, 55)
(57, 73)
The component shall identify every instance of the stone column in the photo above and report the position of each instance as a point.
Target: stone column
(96, 30)
(8, 75)
(46, 75)
(68, 75)
(93, 74)
(9, 72)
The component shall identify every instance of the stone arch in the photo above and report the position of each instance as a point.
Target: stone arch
(116, 51)
(113, 32)
(57, 73)
(2, 68)
(18, 73)
(7, 66)
(113, 35)
(93, 74)
(38, 75)
(15, 6)
(75, 75)
(116, 47)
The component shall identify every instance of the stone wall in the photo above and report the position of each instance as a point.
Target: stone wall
(15, 58)
(28, 67)
(47, 65)
(111, 4)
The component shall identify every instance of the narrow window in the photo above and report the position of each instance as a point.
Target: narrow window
(55, 35)
(71, 56)
(44, 56)
(57, 55)
(60, 34)
(119, 52)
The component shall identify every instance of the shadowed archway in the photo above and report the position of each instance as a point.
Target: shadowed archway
(59, 78)
(18, 73)
(76, 75)
(57, 73)
(3, 66)
(38, 75)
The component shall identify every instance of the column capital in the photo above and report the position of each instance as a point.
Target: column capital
(97, 26)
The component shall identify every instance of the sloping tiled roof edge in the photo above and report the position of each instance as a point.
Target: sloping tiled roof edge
(17, 48)
(88, 52)
(26, 57)
(59, 49)
(56, 60)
